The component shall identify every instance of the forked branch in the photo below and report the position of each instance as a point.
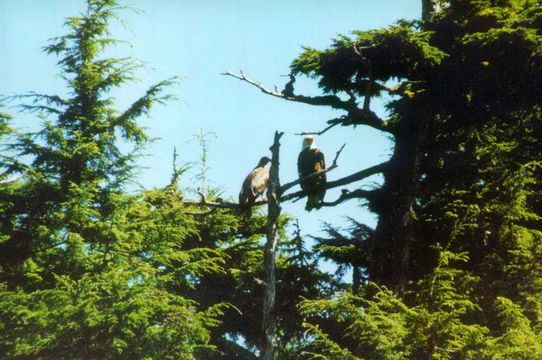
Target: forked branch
(329, 100)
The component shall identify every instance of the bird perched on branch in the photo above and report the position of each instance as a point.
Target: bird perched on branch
(254, 185)
(312, 160)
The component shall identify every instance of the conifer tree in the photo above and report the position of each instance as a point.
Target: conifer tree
(458, 212)
(88, 271)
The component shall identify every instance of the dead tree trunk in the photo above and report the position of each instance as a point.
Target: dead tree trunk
(273, 197)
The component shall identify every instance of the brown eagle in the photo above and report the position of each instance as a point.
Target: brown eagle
(254, 186)
(311, 160)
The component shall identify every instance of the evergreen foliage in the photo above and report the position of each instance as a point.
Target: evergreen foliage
(86, 269)
(90, 271)
(453, 269)
(461, 191)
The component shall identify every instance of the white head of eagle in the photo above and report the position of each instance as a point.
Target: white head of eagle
(312, 160)
(308, 143)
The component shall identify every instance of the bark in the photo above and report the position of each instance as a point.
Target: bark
(356, 279)
(268, 346)
(394, 237)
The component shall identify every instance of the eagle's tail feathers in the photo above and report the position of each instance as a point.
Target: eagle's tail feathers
(313, 202)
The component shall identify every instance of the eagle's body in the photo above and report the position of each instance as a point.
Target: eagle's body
(254, 185)
(311, 160)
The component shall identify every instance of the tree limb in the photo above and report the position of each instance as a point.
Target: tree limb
(318, 133)
(346, 195)
(218, 204)
(356, 116)
(360, 175)
(329, 100)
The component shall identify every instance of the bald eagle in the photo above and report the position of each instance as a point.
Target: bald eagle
(254, 186)
(311, 160)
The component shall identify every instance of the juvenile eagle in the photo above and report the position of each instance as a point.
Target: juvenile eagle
(311, 160)
(254, 186)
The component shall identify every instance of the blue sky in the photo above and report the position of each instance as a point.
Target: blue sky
(197, 40)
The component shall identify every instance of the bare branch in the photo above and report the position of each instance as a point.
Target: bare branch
(203, 198)
(333, 166)
(218, 204)
(205, 202)
(329, 100)
(360, 175)
(318, 133)
(176, 172)
(355, 115)
(359, 193)
(242, 77)
(347, 195)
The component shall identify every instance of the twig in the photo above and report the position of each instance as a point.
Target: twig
(333, 166)
(242, 77)
(318, 133)
(346, 195)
